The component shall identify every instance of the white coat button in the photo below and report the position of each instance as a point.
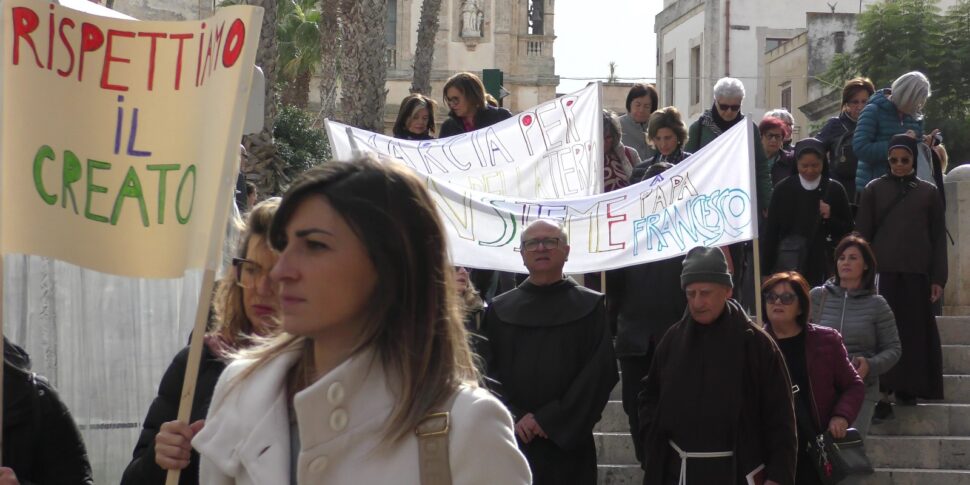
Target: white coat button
(319, 464)
(338, 419)
(335, 394)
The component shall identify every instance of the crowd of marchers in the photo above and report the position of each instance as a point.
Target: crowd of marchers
(413, 371)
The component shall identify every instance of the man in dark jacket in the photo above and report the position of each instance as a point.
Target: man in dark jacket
(716, 407)
(643, 302)
(41, 442)
(552, 360)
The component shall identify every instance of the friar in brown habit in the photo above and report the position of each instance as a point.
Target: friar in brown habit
(716, 407)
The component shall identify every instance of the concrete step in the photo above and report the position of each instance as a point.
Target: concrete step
(956, 359)
(956, 389)
(614, 419)
(619, 475)
(929, 419)
(954, 330)
(919, 452)
(911, 476)
(614, 449)
(633, 475)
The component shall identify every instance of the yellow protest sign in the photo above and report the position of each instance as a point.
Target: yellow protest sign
(120, 139)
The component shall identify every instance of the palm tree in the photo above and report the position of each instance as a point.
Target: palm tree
(298, 33)
(330, 41)
(424, 51)
(363, 66)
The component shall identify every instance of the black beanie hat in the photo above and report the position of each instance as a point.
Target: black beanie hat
(903, 141)
(707, 265)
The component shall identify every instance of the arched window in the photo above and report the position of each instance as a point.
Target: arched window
(536, 12)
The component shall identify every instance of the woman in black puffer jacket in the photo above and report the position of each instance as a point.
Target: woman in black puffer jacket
(837, 133)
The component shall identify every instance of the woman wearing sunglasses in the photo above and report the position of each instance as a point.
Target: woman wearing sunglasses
(722, 116)
(828, 391)
(245, 306)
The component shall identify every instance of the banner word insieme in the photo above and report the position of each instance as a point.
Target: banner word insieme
(707, 200)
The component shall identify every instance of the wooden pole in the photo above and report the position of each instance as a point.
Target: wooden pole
(4, 357)
(756, 250)
(195, 356)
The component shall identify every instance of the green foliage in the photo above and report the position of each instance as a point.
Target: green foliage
(300, 145)
(298, 34)
(899, 36)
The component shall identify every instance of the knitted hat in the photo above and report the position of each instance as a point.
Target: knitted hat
(905, 142)
(706, 265)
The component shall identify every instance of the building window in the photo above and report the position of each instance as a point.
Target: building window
(536, 12)
(669, 83)
(695, 75)
(772, 43)
(390, 27)
(786, 98)
(839, 42)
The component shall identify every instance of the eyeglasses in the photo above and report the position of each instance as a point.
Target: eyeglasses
(547, 243)
(248, 273)
(729, 107)
(453, 100)
(773, 136)
(784, 298)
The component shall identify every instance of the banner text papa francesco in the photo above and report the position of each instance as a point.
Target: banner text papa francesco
(120, 138)
(705, 200)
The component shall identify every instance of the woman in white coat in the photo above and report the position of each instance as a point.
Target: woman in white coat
(373, 353)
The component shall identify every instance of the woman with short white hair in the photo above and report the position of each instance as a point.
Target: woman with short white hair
(889, 112)
(722, 116)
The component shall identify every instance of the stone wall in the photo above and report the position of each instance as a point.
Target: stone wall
(956, 297)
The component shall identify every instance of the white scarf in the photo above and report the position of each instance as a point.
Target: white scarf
(809, 185)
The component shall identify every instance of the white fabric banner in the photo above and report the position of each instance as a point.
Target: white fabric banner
(552, 151)
(708, 199)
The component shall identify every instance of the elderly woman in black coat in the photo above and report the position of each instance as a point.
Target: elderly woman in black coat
(809, 213)
(903, 217)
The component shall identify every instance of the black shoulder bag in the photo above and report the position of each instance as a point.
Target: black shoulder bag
(793, 248)
(833, 459)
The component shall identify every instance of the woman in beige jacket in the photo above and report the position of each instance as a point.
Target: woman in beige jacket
(373, 354)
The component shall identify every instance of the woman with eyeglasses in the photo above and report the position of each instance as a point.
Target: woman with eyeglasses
(848, 303)
(889, 112)
(903, 217)
(782, 161)
(828, 391)
(245, 307)
(371, 380)
(838, 132)
(467, 108)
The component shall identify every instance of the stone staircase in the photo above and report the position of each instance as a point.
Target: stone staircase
(926, 444)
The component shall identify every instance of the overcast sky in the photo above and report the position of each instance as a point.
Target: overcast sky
(590, 34)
